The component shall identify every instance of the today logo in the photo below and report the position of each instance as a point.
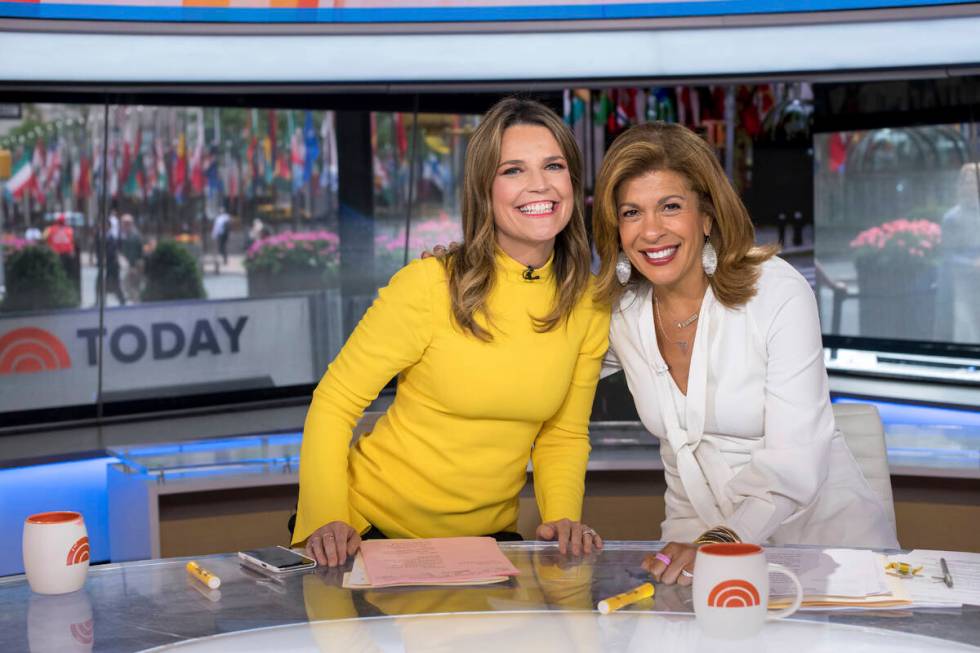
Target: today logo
(79, 552)
(31, 349)
(733, 594)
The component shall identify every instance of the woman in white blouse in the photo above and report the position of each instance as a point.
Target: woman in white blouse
(720, 342)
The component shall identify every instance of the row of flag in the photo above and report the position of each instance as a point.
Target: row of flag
(145, 157)
(596, 117)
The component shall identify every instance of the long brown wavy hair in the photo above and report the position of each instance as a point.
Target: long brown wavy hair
(471, 268)
(659, 146)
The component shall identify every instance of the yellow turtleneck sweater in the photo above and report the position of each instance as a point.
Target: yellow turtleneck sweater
(449, 456)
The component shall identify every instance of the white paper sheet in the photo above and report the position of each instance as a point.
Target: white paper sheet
(828, 572)
(926, 589)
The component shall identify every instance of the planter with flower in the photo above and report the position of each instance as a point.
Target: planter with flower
(389, 246)
(896, 271)
(292, 261)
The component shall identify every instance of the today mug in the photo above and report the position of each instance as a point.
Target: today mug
(731, 589)
(56, 552)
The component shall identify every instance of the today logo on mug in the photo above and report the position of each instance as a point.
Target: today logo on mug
(56, 552)
(731, 590)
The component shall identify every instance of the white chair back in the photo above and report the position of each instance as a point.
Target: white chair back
(865, 437)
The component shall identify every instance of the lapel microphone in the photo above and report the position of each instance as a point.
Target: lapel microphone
(529, 275)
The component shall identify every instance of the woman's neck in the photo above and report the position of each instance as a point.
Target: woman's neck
(532, 254)
(682, 297)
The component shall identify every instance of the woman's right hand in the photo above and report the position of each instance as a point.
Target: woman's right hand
(331, 544)
(440, 251)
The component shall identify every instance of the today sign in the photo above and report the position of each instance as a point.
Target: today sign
(52, 359)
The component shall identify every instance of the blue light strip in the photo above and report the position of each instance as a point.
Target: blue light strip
(597, 11)
(79, 485)
(896, 413)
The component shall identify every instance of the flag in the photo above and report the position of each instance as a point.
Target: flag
(162, 182)
(311, 150)
(83, 184)
(329, 172)
(180, 169)
(197, 158)
(21, 179)
(401, 135)
(297, 157)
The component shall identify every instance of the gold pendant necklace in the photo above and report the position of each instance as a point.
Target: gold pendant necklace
(658, 321)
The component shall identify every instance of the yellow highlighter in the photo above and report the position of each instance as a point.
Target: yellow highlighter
(614, 603)
(203, 575)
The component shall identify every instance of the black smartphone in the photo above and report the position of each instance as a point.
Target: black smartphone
(277, 559)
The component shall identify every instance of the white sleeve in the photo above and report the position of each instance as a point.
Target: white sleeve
(789, 471)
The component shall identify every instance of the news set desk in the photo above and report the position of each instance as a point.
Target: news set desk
(550, 606)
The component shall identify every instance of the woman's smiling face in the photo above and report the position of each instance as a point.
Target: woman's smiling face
(662, 228)
(532, 192)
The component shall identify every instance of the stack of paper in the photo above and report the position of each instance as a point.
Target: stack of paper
(435, 561)
(836, 579)
(927, 588)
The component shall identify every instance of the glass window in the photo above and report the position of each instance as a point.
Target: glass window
(48, 215)
(897, 244)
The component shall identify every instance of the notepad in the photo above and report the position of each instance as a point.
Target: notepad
(450, 561)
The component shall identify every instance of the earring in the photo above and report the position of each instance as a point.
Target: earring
(709, 257)
(624, 269)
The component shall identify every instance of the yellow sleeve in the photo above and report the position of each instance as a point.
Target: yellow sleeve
(561, 450)
(391, 336)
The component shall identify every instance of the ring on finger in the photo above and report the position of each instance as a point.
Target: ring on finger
(588, 531)
(663, 557)
(686, 573)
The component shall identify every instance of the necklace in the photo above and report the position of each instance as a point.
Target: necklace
(658, 322)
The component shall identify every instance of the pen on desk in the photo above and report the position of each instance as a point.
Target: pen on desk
(614, 603)
(947, 577)
(203, 575)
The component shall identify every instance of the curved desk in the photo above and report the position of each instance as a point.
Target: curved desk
(155, 605)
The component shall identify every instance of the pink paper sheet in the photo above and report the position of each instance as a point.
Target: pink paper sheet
(434, 560)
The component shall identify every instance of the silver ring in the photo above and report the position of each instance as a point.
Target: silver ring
(685, 572)
(588, 531)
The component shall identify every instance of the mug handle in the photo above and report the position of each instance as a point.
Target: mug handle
(797, 600)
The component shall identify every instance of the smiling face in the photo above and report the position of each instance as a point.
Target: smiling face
(532, 193)
(662, 229)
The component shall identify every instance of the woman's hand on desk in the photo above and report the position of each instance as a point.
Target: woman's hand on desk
(572, 536)
(681, 556)
(331, 544)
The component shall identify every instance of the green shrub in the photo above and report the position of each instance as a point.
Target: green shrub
(172, 273)
(36, 281)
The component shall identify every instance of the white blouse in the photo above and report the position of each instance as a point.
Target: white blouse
(755, 447)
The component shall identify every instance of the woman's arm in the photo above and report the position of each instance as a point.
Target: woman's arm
(788, 472)
(561, 449)
(392, 335)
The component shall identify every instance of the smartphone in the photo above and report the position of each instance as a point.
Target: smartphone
(277, 559)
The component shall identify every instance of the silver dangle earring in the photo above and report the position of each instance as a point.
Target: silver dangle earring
(709, 257)
(624, 269)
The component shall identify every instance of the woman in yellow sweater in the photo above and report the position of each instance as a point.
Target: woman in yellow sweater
(497, 349)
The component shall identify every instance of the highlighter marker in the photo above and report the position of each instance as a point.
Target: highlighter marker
(614, 603)
(203, 575)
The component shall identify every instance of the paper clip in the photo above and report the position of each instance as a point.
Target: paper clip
(902, 569)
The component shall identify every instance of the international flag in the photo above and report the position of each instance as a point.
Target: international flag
(311, 149)
(22, 177)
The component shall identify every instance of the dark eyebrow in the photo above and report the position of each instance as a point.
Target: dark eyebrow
(549, 159)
